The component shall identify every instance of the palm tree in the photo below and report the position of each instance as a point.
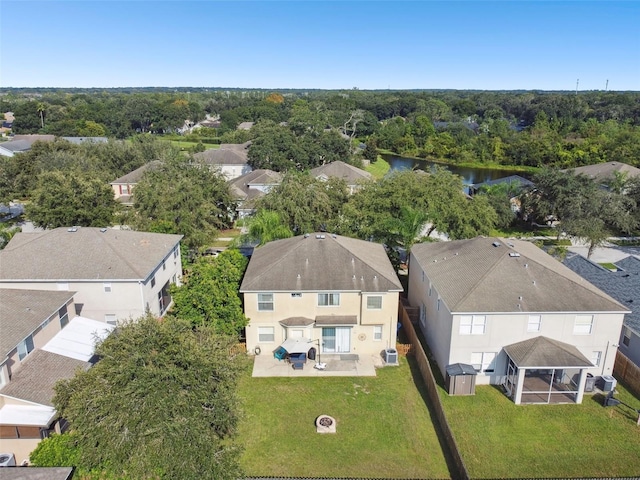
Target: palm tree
(41, 107)
(266, 226)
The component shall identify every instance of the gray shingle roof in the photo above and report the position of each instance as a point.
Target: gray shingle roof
(243, 187)
(475, 276)
(37, 375)
(37, 473)
(135, 176)
(222, 156)
(546, 353)
(16, 145)
(603, 171)
(338, 169)
(87, 254)
(307, 263)
(22, 311)
(623, 285)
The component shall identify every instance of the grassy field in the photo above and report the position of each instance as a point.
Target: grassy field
(383, 427)
(500, 439)
(379, 168)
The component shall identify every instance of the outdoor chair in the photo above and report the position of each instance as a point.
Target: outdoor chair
(280, 353)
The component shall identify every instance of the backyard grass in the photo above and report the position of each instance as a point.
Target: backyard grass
(499, 439)
(379, 168)
(383, 427)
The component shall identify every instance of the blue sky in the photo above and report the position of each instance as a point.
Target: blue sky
(539, 45)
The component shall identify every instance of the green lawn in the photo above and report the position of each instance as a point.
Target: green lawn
(500, 439)
(379, 168)
(383, 427)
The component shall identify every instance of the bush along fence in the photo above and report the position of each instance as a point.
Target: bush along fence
(422, 361)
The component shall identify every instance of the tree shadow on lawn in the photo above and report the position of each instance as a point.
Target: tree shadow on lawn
(422, 388)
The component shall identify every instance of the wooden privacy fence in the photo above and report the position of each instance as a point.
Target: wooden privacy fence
(627, 371)
(432, 393)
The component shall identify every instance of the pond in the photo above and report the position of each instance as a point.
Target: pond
(469, 175)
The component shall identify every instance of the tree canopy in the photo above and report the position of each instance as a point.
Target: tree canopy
(160, 403)
(179, 197)
(209, 294)
(67, 199)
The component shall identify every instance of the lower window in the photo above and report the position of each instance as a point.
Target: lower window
(266, 334)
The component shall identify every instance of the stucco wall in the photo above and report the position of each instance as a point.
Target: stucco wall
(306, 305)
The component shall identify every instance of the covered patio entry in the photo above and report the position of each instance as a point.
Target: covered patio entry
(542, 370)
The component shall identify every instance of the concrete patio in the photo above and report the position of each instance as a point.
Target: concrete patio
(337, 365)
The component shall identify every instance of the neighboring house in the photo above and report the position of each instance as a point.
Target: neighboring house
(603, 173)
(624, 286)
(38, 473)
(7, 123)
(22, 143)
(515, 184)
(245, 126)
(123, 186)
(339, 292)
(39, 346)
(520, 317)
(117, 274)
(354, 176)
(250, 186)
(231, 160)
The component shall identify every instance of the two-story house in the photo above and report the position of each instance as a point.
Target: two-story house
(231, 160)
(337, 291)
(518, 316)
(247, 188)
(123, 186)
(354, 177)
(41, 343)
(117, 274)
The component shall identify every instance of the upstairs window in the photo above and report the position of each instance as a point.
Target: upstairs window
(328, 299)
(64, 316)
(534, 324)
(265, 302)
(374, 302)
(583, 325)
(25, 347)
(473, 324)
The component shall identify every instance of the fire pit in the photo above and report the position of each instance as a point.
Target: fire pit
(325, 424)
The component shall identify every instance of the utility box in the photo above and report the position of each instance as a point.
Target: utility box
(590, 384)
(391, 356)
(608, 383)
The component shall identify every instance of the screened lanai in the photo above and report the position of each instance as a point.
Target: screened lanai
(543, 370)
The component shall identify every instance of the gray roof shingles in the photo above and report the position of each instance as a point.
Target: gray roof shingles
(338, 169)
(623, 285)
(475, 276)
(545, 352)
(38, 374)
(221, 156)
(136, 175)
(88, 254)
(22, 311)
(307, 263)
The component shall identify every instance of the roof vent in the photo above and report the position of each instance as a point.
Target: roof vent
(496, 244)
(526, 265)
(318, 236)
(520, 298)
(72, 229)
(102, 230)
(306, 235)
(514, 254)
(354, 277)
(334, 236)
(510, 244)
(322, 237)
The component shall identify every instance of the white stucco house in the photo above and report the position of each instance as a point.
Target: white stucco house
(116, 274)
(231, 160)
(518, 316)
(339, 292)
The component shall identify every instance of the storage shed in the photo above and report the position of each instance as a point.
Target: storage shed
(461, 379)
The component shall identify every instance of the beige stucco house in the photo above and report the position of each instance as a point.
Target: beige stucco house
(116, 274)
(247, 188)
(338, 292)
(40, 344)
(520, 317)
(123, 186)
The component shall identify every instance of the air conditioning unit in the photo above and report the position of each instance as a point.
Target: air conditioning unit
(7, 460)
(391, 356)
